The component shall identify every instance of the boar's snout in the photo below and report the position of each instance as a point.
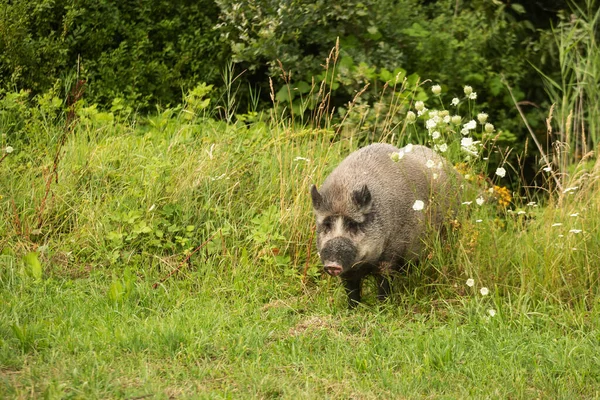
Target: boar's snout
(338, 255)
(333, 268)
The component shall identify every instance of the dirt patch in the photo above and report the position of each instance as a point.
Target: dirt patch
(313, 323)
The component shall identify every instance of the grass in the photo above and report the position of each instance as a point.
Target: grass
(206, 339)
(174, 258)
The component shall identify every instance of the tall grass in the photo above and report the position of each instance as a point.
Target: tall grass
(574, 89)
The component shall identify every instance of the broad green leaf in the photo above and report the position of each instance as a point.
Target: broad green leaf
(302, 87)
(116, 291)
(518, 8)
(33, 265)
(283, 95)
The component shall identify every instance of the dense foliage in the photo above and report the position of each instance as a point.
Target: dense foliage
(144, 51)
(149, 51)
(257, 53)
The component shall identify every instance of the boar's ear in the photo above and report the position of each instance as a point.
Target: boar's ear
(317, 199)
(362, 198)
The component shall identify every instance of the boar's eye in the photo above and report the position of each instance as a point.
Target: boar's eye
(352, 226)
(326, 225)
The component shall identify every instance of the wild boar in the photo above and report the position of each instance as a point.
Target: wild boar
(375, 209)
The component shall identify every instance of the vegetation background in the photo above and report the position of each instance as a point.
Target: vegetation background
(156, 237)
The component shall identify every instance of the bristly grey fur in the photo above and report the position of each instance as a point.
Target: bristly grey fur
(369, 200)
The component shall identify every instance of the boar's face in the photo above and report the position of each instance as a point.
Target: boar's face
(344, 220)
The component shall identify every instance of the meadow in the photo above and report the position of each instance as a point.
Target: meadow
(173, 256)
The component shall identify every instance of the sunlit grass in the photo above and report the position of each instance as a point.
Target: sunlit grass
(250, 314)
(175, 257)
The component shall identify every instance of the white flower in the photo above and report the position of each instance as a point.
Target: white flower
(419, 205)
(480, 201)
(557, 224)
(501, 172)
(484, 291)
(430, 123)
(466, 142)
(575, 231)
(435, 175)
(468, 90)
(468, 145)
(436, 89)
(470, 125)
(410, 117)
(442, 147)
(532, 204)
(470, 282)
(408, 148)
(521, 212)
(429, 164)
(482, 117)
(492, 312)
(455, 101)
(419, 106)
(473, 96)
(456, 119)
(489, 128)
(8, 149)
(435, 135)
(446, 119)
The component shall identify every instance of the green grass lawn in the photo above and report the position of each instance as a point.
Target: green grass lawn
(246, 337)
(175, 258)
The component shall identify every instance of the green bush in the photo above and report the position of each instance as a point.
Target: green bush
(146, 52)
(450, 43)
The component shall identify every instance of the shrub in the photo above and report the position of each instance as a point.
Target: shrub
(146, 52)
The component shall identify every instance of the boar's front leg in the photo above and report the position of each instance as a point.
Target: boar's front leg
(383, 287)
(353, 291)
(382, 277)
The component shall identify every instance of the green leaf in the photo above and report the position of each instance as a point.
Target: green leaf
(302, 87)
(496, 86)
(20, 332)
(283, 95)
(33, 265)
(116, 291)
(399, 74)
(385, 75)
(374, 33)
(518, 8)
(416, 31)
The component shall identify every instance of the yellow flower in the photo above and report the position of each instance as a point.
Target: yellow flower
(503, 195)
